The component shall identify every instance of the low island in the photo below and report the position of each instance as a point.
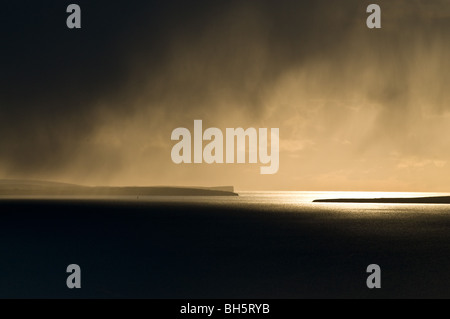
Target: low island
(402, 200)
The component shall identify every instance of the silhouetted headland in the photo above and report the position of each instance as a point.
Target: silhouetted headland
(412, 200)
(43, 188)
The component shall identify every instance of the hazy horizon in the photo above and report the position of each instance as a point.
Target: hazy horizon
(349, 192)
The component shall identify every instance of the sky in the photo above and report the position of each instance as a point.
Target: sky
(357, 109)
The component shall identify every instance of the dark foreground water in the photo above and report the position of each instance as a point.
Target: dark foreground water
(257, 246)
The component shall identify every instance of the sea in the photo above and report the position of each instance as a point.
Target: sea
(276, 245)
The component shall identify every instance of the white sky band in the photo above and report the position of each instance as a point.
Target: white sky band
(235, 140)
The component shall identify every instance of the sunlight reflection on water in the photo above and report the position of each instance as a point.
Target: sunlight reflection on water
(285, 201)
(303, 202)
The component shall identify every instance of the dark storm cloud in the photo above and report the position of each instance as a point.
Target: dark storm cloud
(50, 78)
(53, 78)
(175, 60)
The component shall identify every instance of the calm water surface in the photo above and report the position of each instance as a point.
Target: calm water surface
(257, 245)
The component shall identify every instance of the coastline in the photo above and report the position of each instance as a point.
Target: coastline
(38, 188)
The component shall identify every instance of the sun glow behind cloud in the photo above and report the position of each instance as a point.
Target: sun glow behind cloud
(357, 109)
